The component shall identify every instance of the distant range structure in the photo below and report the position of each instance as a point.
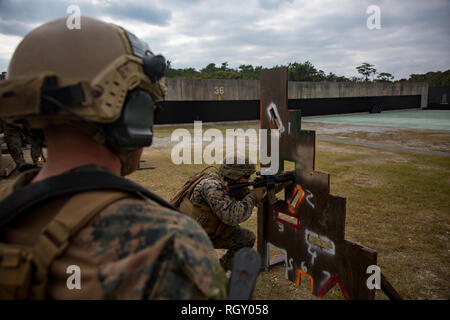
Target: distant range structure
(213, 100)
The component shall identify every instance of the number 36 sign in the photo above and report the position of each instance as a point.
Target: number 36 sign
(218, 90)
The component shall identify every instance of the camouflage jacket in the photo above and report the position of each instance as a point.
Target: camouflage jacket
(228, 209)
(132, 249)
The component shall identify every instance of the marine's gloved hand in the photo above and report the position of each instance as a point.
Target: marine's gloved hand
(259, 193)
(239, 194)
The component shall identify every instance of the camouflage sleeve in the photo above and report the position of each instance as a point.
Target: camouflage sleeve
(229, 211)
(144, 251)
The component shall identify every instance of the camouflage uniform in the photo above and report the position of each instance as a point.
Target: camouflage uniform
(36, 149)
(132, 249)
(231, 210)
(13, 140)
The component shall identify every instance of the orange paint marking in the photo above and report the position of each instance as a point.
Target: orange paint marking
(293, 196)
(299, 273)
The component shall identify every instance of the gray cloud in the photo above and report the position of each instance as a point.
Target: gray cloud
(3, 64)
(143, 12)
(39, 11)
(11, 27)
(331, 34)
(272, 4)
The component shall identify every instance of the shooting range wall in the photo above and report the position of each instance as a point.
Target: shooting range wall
(325, 106)
(220, 90)
(212, 100)
(207, 111)
(241, 110)
(438, 98)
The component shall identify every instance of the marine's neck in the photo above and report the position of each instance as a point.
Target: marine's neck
(68, 148)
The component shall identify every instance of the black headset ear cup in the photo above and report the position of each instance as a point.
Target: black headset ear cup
(134, 127)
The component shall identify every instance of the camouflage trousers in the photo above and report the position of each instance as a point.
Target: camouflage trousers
(13, 139)
(36, 149)
(239, 238)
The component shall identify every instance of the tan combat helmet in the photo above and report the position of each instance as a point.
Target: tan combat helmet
(236, 166)
(100, 78)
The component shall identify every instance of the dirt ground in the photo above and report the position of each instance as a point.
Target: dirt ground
(398, 202)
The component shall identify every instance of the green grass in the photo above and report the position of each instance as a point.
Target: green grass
(397, 204)
(402, 212)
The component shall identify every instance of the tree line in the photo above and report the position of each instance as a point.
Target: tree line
(305, 71)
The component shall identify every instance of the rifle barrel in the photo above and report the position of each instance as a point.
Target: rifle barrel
(263, 181)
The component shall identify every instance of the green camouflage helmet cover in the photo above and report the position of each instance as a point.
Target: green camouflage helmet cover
(236, 166)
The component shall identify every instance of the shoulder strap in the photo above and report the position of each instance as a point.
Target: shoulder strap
(69, 183)
(72, 217)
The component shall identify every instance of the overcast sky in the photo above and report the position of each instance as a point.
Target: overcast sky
(414, 35)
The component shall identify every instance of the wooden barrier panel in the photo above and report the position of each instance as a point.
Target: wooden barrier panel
(313, 243)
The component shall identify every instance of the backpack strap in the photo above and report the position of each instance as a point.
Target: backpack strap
(73, 216)
(71, 182)
(24, 270)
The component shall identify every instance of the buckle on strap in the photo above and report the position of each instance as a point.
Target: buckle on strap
(52, 242)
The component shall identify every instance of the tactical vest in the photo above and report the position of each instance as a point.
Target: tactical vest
(202, 213)
(24, 269)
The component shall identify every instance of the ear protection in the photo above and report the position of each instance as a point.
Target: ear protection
(134, 127)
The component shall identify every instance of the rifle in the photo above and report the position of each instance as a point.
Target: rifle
(268, 181)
